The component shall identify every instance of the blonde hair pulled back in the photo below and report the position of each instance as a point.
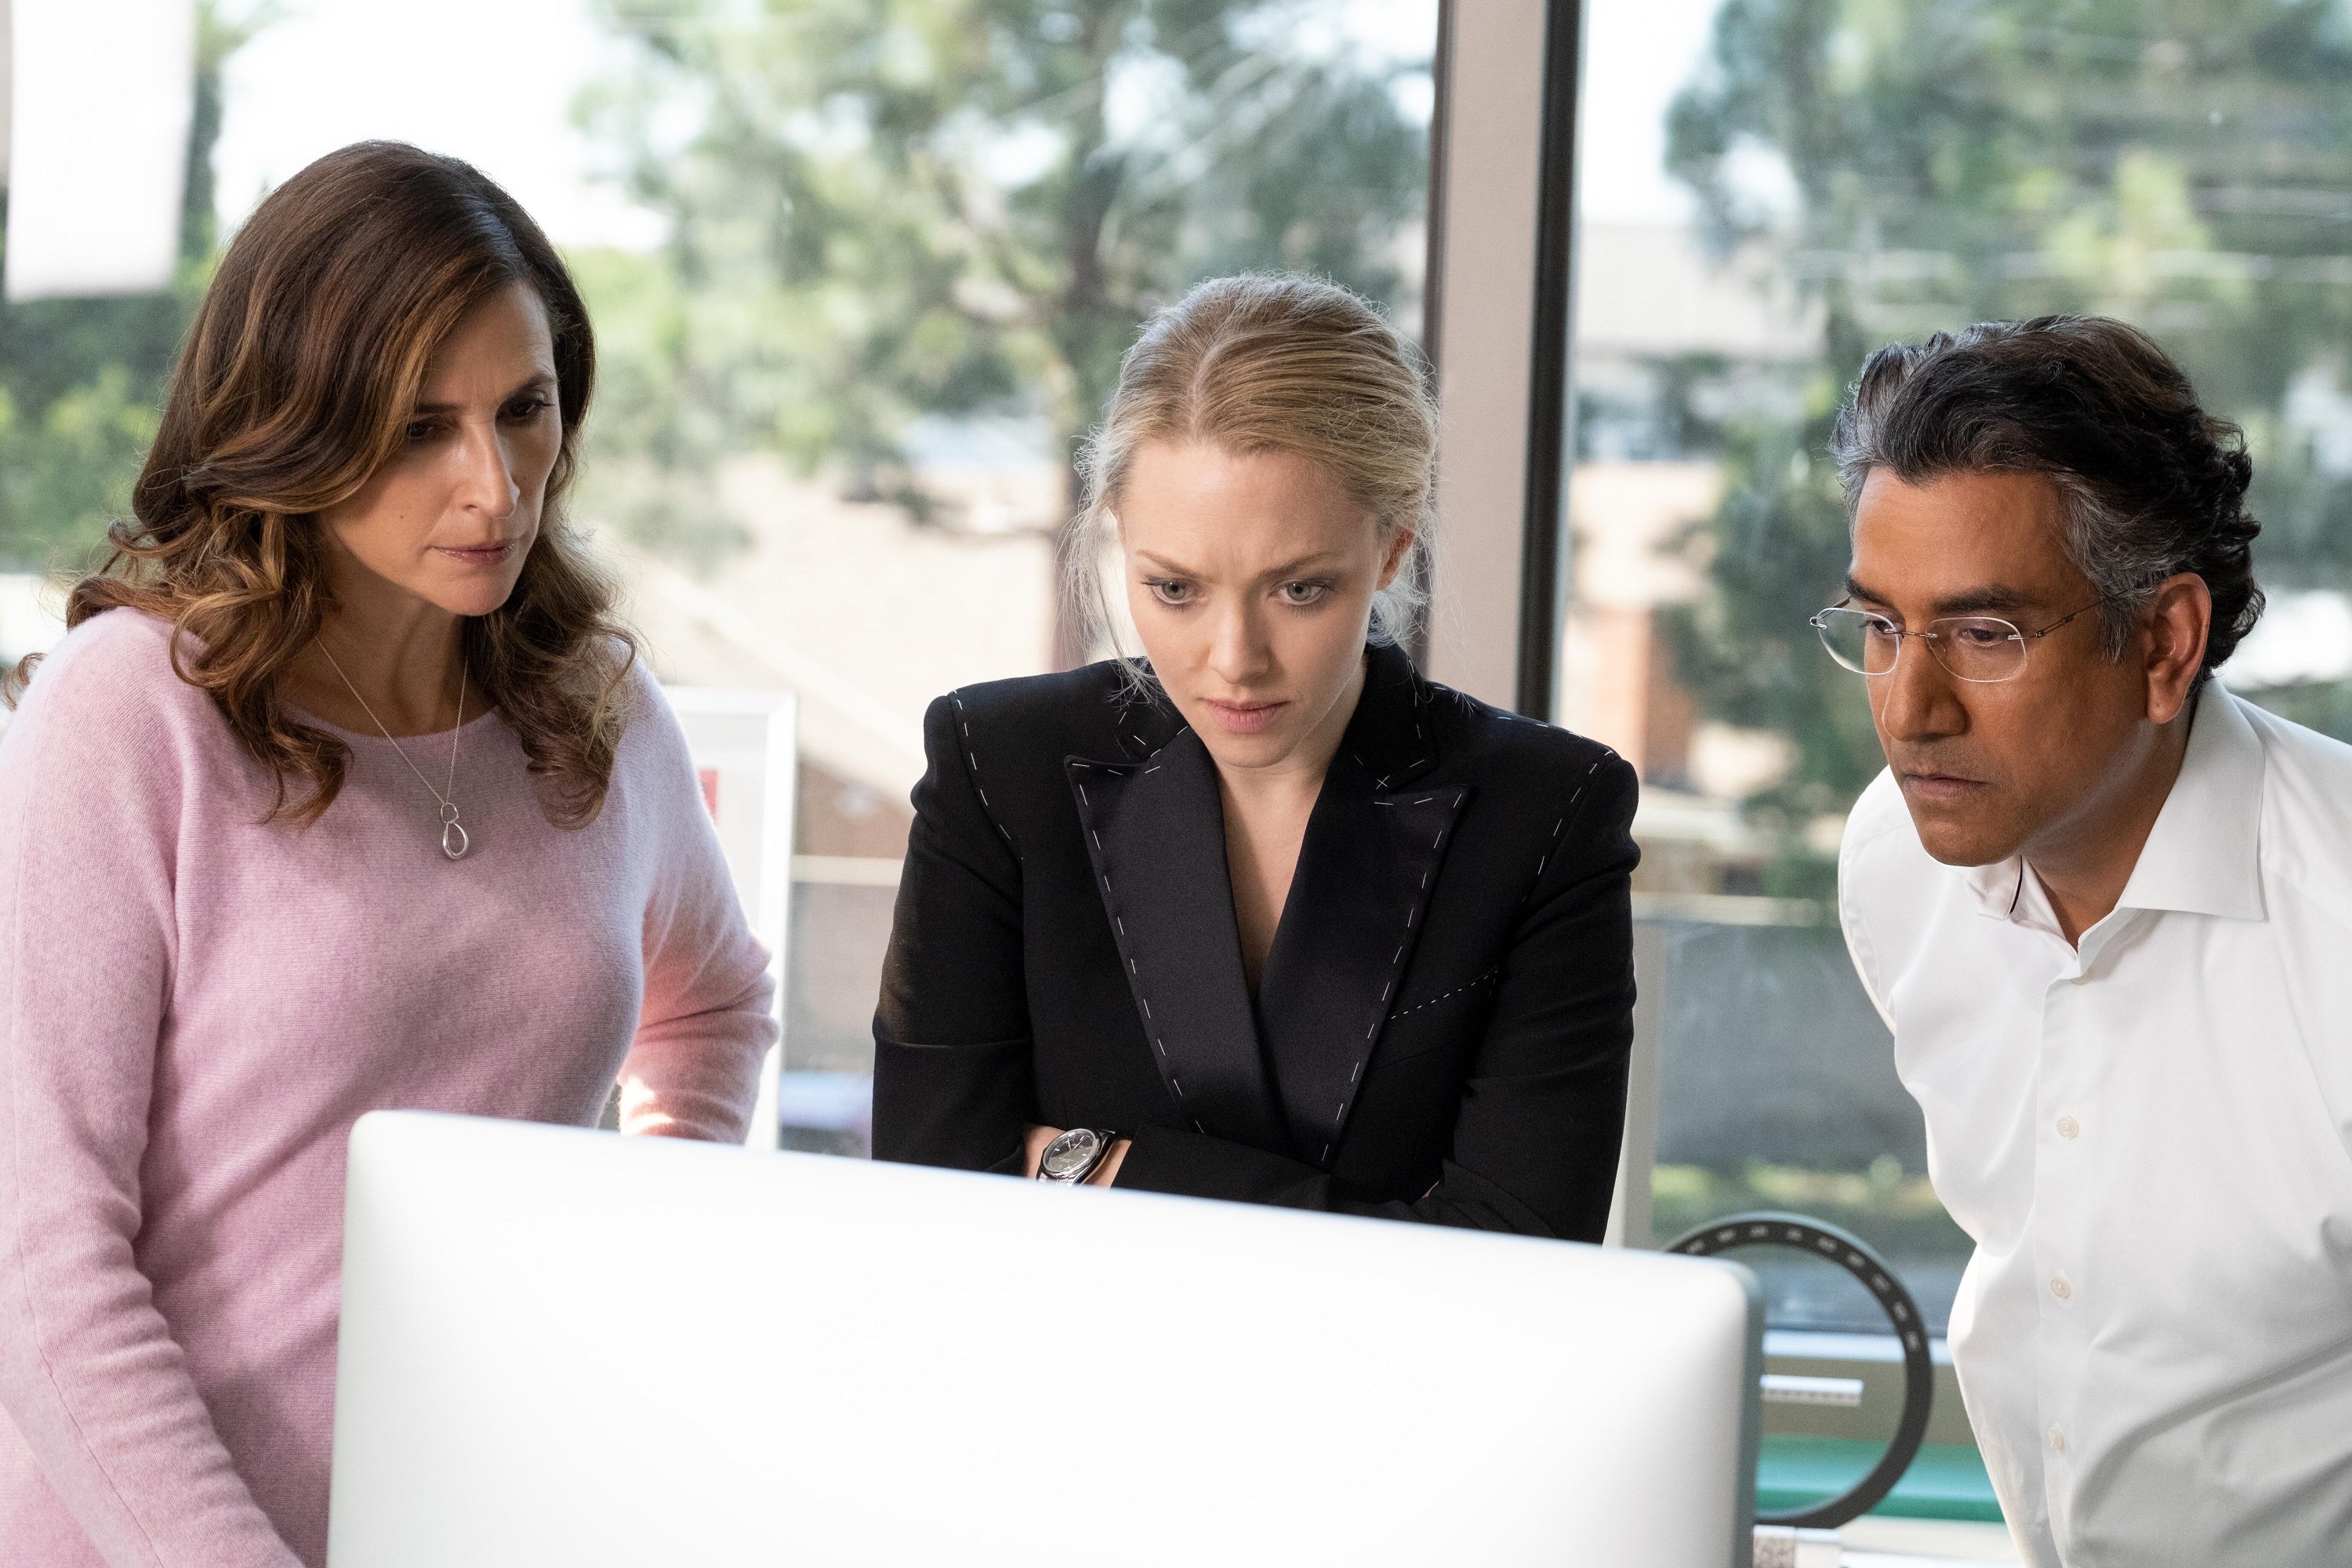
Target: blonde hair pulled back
(1273, 362)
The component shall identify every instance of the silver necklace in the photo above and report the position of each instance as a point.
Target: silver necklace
(455, 840)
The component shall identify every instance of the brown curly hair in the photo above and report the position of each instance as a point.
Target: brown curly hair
(298, 377)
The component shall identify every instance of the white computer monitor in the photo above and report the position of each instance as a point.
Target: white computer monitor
(567, 1347)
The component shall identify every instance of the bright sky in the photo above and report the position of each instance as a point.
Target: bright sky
(1637, 55)
(490, 82)
(493, 83)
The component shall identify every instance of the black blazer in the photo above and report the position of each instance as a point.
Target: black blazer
(1441, 1029)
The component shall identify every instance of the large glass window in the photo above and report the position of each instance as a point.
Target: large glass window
(861, 271)
(905, 246)
(1769, 189)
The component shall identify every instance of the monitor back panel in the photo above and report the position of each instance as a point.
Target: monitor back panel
(567, 1347)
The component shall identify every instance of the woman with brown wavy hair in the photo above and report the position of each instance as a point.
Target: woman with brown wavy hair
(343, 791)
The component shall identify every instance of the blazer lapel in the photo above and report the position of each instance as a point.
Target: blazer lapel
(1156, 833)
(1372, 850)
(1348, 928)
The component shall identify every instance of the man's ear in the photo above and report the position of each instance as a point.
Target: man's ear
(1393, 561)
(2176, 622)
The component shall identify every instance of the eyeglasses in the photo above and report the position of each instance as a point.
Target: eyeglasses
(1984, 649)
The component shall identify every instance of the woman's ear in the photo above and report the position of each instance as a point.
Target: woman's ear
(1392, 558)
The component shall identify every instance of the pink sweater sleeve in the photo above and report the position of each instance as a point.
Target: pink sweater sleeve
(91, 781)
(694, 1069)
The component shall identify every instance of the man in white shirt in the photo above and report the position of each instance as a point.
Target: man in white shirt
(2106, 908)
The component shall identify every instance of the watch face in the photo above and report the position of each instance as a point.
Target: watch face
(1071, 1153)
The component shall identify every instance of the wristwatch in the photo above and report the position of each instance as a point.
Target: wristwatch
(1074, 1156)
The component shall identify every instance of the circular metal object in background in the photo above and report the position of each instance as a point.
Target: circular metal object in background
(1831, 1245)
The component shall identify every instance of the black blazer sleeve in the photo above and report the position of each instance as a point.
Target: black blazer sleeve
(954, 1079)
(1537, 1135)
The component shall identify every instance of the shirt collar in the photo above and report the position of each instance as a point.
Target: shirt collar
(2203, 856)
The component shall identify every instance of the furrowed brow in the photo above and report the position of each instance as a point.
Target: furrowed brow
(1307, 563)
(1992, 599)
(1855, 588)
(543, 382)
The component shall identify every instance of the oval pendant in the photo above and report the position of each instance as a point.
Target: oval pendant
(455, 841)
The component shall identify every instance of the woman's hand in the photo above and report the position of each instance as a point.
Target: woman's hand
(1032, 1149)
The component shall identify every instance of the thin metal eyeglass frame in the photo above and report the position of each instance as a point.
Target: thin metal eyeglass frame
(1930, 636)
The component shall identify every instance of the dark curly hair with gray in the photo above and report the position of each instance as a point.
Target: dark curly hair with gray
(2152, 484)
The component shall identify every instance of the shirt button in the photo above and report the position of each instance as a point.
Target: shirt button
(2057, 1440)
(2059, 1288)
(2068, 1127)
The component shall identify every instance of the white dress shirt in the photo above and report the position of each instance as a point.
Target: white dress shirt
(2150, 1139)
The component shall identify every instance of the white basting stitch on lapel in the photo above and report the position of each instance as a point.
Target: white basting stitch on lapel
(1395, 962)
(1157, 1043)
(1466, 986)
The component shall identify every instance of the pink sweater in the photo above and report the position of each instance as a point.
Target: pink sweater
(194, 1008)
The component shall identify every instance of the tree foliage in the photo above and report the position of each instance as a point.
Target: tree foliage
(883, 209)
(82, 380)
(2184, 164)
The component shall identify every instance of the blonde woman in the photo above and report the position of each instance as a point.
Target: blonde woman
(1267, 916)
(344, 792)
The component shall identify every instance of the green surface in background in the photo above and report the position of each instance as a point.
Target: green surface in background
(1948, 1480)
